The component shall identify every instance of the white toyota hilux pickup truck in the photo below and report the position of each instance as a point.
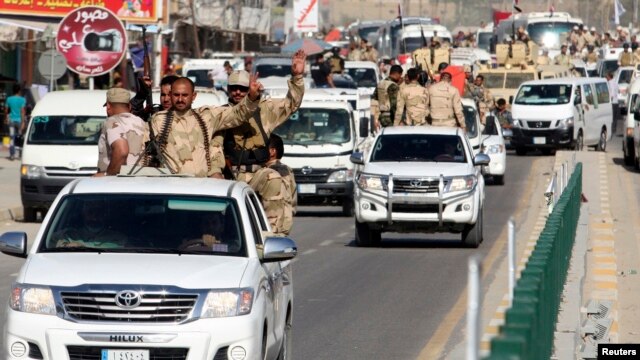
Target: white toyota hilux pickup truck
(419, 179)
(151, 268)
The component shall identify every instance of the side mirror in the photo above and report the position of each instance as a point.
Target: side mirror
(279, 249)
(481, 160)
(511, 99)
(364, 127)
(14, 244)
(357, 158)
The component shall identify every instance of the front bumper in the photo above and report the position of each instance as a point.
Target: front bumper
(547, 138)
(40, 193)
(324, 193)
(406, 212)
(202, 338)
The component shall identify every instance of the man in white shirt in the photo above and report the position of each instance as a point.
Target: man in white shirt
(614, 90)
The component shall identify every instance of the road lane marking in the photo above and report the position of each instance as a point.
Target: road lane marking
(307, 252)
(326, 243)
(345, 233)
(435, 346)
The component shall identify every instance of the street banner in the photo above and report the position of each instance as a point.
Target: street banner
(305, 14)
(92, 39)
(134, 11)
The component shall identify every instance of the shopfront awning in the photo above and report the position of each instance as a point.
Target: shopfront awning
(10, 28)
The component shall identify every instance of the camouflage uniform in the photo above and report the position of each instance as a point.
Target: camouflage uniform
(413, 97)
(387, 95)
(592, 58)
(249, 142)
(289, 187)
(445, 106)
(370, 54)
(483, 98)
(122, 126)
(185, 150)
(543, 60)
(563, 59)
(355, 55)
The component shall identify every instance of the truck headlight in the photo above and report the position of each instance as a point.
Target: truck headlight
(32, 299)
(494, 149)
(344, 175)
(565, 123)
(226, 303)
(31, 171)
(517, 123)
(462, 183)
(373, 182)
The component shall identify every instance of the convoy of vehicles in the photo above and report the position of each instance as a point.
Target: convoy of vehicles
(389, 34)
(163, 267)
(562, 113)
(547, 29)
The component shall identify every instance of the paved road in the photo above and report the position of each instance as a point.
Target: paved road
(357, 303)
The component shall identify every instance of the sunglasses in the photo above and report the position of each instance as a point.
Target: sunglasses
(233, 88)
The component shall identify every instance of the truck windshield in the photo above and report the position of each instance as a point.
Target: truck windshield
(484, 40)
(316, 126)
(135, 223)
(200, 77)
(515, 79)
(494, 80)
(470, 119)
(65, 130)
(266, 70)
(363, 77)
(547, 94)
(550, 34)
(419, 147)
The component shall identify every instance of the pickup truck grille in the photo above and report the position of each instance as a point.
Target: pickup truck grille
(539, 124)
(311, 175)
(153, 307)
(416, 185)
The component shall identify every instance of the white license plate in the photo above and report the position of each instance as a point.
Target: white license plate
(306, 188)
(125, 355)
(539, 140)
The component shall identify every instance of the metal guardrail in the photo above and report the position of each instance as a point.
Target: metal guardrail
(530, 322)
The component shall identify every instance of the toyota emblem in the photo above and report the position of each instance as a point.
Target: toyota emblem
(416, 183)
(539, 124)
(128, 299)
(306, 170)
(74, 165)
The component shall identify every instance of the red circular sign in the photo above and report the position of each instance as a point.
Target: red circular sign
(92, 39)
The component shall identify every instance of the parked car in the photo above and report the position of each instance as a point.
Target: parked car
(417, 178)
(150, 268)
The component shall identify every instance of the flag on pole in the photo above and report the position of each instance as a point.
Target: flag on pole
(515, 5)
(618, 10)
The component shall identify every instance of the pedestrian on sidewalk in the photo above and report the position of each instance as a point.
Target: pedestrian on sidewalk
(613, 92)
(15, 117)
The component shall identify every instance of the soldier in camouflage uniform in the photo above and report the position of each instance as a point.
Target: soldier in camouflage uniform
(276, 151)
(184, 134)
(563, 58)
(444, 104)
(123, 134)
(626, 57)
(482, 97)
(387, 94)
(246, 147)
(412, 99)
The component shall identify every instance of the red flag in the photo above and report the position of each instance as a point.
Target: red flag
(499, 16)
(515, 5)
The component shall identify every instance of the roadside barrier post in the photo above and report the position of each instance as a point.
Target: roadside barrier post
(512, 258)
(474, 304)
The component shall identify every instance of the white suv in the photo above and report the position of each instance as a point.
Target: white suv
(419, 178)
(147, 268)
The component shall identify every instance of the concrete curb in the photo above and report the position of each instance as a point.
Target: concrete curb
(13, 213)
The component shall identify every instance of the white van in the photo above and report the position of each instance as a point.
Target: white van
(633, 100)
(562, 113)
(318, 141)
(61, 144)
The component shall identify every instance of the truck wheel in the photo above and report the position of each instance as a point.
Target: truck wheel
(287, 342)
(365, 236)
(521, 151)
(579, 145)
(602, 143)
(472, 234)
(347, 208)
(29, 214)
(629, 154)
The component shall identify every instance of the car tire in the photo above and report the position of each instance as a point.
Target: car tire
(365, 236)
(347, 208)
(629, 155)
(521, 151)
(287, 342)
(498, 179)
(472, 234)
(579, 144)
(602, 143)
(29, 214)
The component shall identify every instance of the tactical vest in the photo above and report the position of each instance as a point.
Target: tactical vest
(247, 144)
(384, 103)
(335, 64)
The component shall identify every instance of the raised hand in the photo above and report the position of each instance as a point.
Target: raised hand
(255, 87)
(297, 62)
